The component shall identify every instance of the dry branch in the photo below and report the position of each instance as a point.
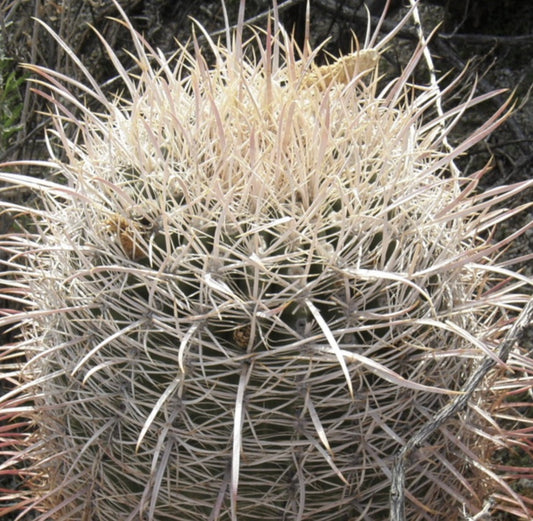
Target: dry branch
(397, 496)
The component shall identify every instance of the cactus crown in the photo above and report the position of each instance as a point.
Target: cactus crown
(256, 281)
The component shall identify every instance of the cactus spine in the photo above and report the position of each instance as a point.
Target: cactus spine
(255, 283)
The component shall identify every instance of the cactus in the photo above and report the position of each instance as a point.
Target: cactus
(249, 286)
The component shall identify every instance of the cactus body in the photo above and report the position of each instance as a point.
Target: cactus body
(257, 282)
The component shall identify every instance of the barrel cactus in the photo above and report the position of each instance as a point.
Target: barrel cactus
(251, 281)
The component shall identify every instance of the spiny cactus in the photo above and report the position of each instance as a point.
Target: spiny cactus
(249, 286)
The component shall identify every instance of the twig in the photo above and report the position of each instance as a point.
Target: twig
(451, 56)
(397, 493)
(8, 153)
(349, 13)
(440, 41)
(523, 164)
(24, 116)
(489, 38)
(432, 77)
(259, 17)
